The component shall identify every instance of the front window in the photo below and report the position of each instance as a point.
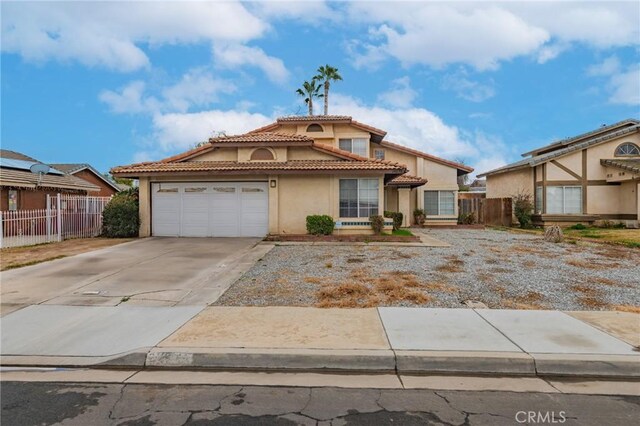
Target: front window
(437, 203)
(358, 197)
(355, 146)
(564, 200)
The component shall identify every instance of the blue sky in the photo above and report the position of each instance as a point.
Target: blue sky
(111, 83)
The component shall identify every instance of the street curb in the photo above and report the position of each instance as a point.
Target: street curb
(616, 366)
(271, 359)
(510, 363)
(135, 358)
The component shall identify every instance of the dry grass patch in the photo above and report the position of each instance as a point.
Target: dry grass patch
(605, 281)
(17, 257)
(590, 297)
(441, 287)
(485, 277)
(579, 263)
(454, 264)
(529, 264)
(313, 280)
(531, 300)
(627, 308)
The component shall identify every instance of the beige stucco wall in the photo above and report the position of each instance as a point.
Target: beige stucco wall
(220, 154)
(628, 197)
(595, 153)
(306, 153)
(504, 185)
(572, 161)
(299, 197)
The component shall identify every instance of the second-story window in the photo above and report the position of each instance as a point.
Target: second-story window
(357, 146)
(378, 154)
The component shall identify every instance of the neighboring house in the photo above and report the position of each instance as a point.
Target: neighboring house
(590, 177)
(271, 179)
(88, 173)
(478, 185)
(21, 189)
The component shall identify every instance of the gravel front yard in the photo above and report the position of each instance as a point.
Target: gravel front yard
(498, 268)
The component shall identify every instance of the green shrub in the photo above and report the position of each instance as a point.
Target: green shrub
(397, 219)
(320, 224)
(467, 218)
(523, 208)
(418, 216)
(120, 218)
(377, 223)
(577, 226)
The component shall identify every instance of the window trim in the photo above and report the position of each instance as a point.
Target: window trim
(633, 145)
(439, 202)
(358, 197)
(315, 131)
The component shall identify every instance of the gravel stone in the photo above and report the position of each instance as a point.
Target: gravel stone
(498, 268)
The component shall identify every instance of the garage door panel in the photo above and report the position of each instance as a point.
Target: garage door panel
(219, 209)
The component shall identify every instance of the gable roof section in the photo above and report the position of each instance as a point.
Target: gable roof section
(538, 159)
(298, 119)
(73, 168)
(462, 169)
(630, 165)
(344, 161)
(247, 139)
(629, 122)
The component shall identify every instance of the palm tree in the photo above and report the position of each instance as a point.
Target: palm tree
(310, 90)
(326, 74)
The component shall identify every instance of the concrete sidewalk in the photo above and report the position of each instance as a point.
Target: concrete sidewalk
(400, 340)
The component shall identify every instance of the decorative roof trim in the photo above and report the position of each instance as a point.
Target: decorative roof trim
(534, 161)
(567, 141)
(623, 164)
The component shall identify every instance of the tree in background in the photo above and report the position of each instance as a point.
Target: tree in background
(310, 90)
(327, 74)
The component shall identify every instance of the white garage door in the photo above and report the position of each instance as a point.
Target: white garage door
(210, 209)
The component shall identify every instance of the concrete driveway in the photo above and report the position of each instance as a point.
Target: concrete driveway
(148, 272)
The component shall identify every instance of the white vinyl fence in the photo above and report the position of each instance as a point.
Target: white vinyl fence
(66, 216)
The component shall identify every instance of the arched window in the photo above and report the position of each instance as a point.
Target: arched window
(314, 128)
(627, 149)
(262, 154)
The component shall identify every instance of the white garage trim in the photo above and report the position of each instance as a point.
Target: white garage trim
(209, 209)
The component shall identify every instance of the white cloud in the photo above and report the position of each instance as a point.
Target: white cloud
(424, 130)
(609, 66)
(484, 34)
(467, 89)
(623, 83)
(109, 34)
(129, 99)
(401, 94)
(237, 55)
(442, 34)
(180, 131)
(625, 87)
(311, 12)
(197, 87)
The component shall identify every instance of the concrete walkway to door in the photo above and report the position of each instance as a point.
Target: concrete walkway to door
(147, 272)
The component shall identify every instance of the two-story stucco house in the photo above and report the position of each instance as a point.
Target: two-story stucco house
(269, 180)
(587, 178)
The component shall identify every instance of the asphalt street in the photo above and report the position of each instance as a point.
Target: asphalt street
(31, 403)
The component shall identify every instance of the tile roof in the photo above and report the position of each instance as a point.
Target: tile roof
(5, 153)
(538, 159)
(313, 118)
(459, 166)
(319, 119)
(407, 180)
(266, 137)
(253, 166)
(72, 168)
(631, 165)
(330, 149)
(26, 179)
(568, 141)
